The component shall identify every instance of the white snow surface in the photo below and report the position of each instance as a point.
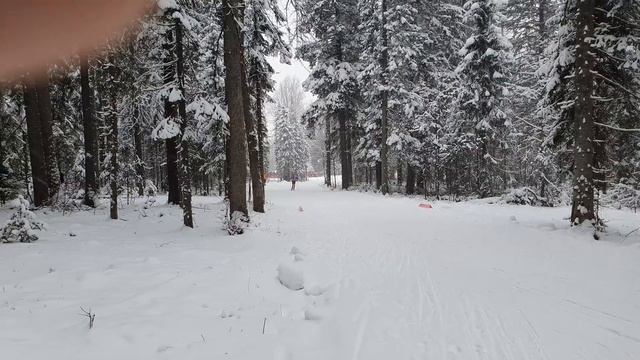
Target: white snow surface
(383, 279)
(291, 275)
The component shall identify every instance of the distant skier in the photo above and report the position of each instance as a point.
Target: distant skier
(294, 178)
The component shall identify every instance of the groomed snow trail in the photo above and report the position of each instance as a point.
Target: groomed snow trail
(383, 279)
(461, 281)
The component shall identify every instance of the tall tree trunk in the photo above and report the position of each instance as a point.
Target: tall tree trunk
(237, 145)
(46, 128)
(384, 64)
(420, 181)
(171, 111)
(411, 180)
(378, 171)
(257, 79)
(183, 148)
(3, 122)
(583, 194)
(349, 155)
(36, 150)
(343, 130)
(221, 181)
(112, 141)
(90, 135)
(113, 164)
(227, 163)
(344, 149)
(25, 161)
(173, 183)
(542, 24)
(137, 138)
(327, 152)
(262, 130)
(101, 124)
(252, 142)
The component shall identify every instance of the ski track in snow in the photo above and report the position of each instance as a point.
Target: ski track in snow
(383, 279)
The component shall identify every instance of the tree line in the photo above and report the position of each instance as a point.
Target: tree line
(442, 97)
(176, 101)
(472, 98)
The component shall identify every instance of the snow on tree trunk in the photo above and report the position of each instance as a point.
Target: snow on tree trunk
(90, 135)
(327, 152)
(237, 142)
(253, 146)
(171, 113)
(184, 159)
(48, 142)
(384, 123)
(583, 191)
(36, 150)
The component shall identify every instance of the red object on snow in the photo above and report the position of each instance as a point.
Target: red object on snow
(425, 206)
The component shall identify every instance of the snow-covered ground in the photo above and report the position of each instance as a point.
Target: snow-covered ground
(382, 279)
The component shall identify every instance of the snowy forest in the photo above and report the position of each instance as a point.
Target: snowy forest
(490, 119)
(450, 99)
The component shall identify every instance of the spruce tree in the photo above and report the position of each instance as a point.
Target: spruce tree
(333, 54)
(483, 71)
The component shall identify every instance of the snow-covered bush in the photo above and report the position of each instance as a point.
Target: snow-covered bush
(235, 224)
(525, 196)
(8, 185)
(622, 195)
(364, 187)
(21, 225)
(69, 197)
(150, 191)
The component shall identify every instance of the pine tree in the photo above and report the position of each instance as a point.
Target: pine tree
(21, 225)
(171, 96)
(583, 194)
(36, 150)
(48, 141)
(395, 47)
(531, 161)
(90, 135)
(237, 144)
(113, 85)
(184, 158)
(333, 54)
(484, 56)
(290, 146)
(603, 97)
(208, 103)
(263, 38)
(431, 147)
(9, 184)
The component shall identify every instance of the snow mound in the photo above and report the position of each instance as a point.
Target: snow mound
(297, 254)
(316, 289)
(295, 251)
(525, 196)
(291, 276)
(313, 314)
